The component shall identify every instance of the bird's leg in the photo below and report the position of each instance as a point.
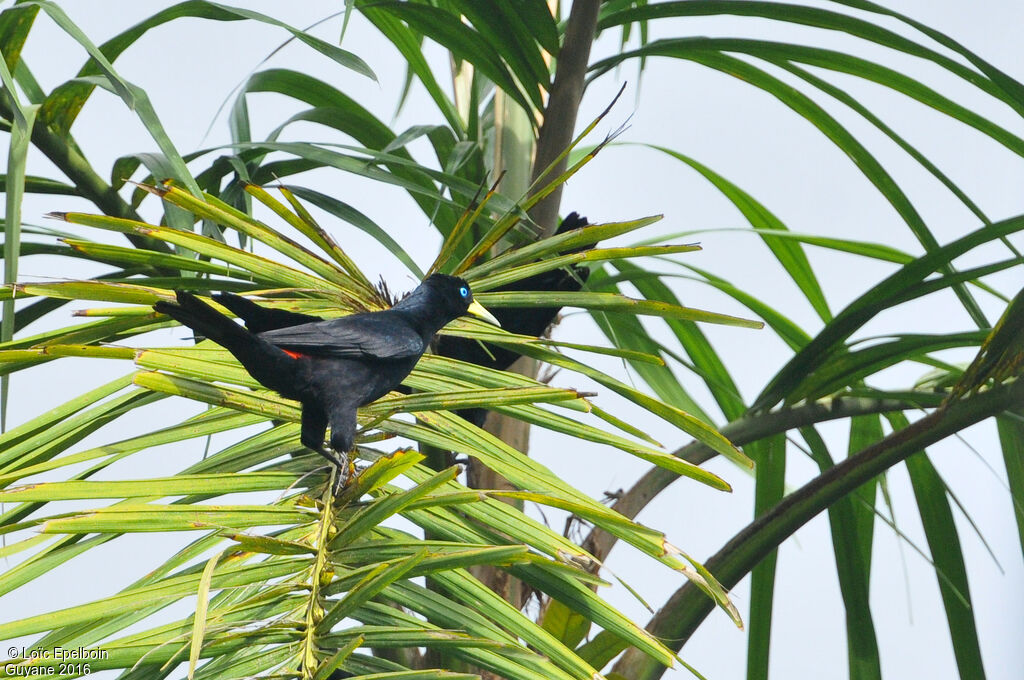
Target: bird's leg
(314, 431)
(343, 436)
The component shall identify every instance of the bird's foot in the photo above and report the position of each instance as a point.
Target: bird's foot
(331, 455)
(342, 476)
(342, 467)
(345, 470)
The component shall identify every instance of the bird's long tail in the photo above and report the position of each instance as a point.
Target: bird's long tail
(259, 319)
(203, 319)
(264, 362)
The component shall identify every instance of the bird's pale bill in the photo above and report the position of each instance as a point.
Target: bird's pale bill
(479, 311)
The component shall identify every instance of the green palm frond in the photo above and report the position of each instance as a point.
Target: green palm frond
(285, 576)
(290, 585)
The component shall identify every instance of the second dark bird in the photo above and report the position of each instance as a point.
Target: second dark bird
(331, 367)
(534, 321)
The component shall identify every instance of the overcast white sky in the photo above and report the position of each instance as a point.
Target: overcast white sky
(743, 134)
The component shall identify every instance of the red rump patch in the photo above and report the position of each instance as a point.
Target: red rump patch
(294, 355)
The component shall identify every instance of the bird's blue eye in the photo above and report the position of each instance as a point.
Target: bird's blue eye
(464, 292)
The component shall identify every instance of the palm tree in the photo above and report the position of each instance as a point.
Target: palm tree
(415, 568)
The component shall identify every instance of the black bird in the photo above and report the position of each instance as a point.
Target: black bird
(330, 367)
(533, 321)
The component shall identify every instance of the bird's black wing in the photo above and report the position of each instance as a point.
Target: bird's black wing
(359, 336)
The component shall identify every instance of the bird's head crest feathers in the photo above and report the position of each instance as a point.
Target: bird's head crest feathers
(449, 297)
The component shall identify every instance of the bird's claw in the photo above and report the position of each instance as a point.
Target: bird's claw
(345, 470)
